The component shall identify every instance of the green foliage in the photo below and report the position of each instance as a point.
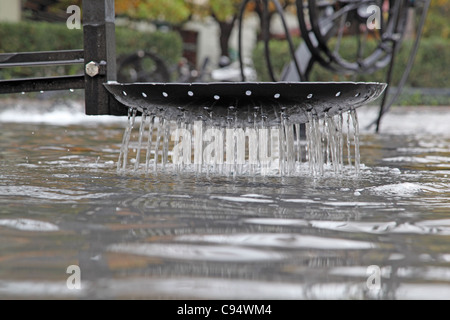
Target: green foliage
(174, 11)
(168, 45)
(224, 9)
(437, 24)
(42, 36)
(38, 36)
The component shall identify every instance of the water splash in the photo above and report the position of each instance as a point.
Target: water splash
(233, 148)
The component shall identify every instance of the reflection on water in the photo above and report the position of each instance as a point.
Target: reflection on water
(172, 236)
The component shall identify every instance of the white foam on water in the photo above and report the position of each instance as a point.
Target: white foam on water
(251, 195)
(426, 291)
(281, 240)
(179, 251)
(230, 289)
(357, 204)
(57, 117)
(29, 225)
(242, 199)
(299, 200)
(277, 222)
(436, 227)
(427, 159)
(403, 189)
(41, 289)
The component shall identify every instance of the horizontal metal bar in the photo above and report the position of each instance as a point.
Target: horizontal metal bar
(42, 56)
(42, 84)
(41, 63)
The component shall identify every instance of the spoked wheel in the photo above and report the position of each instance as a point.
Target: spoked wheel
(142, 66)
(376, 26)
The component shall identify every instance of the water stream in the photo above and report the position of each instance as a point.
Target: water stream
(230, 149)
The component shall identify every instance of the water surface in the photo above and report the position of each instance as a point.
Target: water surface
(183, 236)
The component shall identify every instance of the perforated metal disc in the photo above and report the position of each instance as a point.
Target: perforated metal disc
(245, 101)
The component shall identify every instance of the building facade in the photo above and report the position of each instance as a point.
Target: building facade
(10, 10)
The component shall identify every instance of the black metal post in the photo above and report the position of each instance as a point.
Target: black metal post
(99, 56)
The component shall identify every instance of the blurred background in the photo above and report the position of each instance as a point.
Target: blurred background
(197, 40)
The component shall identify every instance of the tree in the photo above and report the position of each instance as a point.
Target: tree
(173, 11)
(224, 12)
(177, 12)
(257, 6)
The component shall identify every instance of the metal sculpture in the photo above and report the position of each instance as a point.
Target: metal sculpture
(322, 25)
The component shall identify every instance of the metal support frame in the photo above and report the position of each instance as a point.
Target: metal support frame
(98, 57)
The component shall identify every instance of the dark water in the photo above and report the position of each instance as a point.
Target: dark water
(382, 235)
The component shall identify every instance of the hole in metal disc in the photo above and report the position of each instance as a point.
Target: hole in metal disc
(310, 96)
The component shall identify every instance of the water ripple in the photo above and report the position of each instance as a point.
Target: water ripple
(281, 240)
(196, 252)
(437, 227)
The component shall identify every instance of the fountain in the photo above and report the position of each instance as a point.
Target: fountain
(243, 127)
(236, 120)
